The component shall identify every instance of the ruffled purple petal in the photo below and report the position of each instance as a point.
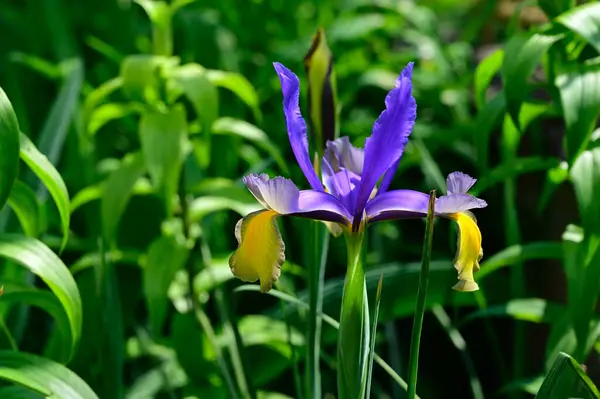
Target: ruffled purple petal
(296, 126)
(282, 196)
(454, 203)
(397, 204)
(459, 183)
(390, 135)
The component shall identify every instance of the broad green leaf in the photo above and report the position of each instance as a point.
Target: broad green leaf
(264, 330)
(248, 131)
(165, 256)
(238, 85)
(585, 175)
(160, 14)
(534, 310)
(40, 260)
(373, 337)
(56, 126)
(208, 204)
(484, 73)
(162, 136)
(47, 173)
(42, 375)
(520, 253)
(522, 55)
(140, 76)
(197, 359)
(24, 203)
(109, 112)
(579, 89)
(9, 147)
(583, 20)
(117, 191)
(567, 379)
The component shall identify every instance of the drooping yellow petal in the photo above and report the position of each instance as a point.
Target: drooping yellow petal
(469, 251)
(261, 251)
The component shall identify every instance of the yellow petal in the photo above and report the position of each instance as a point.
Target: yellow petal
(469, 251)
(261, 251)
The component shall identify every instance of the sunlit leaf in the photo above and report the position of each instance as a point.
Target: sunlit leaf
(520, 253)
(117, 191)
(19, 392)
(42, 375)
(585, 175)
(109, 112)
(9, 145)
(162, 137)
(40, 260)
(583, 20)
(484, 73)
(24, 203)
(238, 85)
(99, 95)
(48, 174)
(140, 75)
(567, 378)
(579, 90)
(535, 310)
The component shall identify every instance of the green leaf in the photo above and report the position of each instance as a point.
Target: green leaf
(162, 136)
(579, 89)
(518, 254)
(117, 191)
(484, 123)
(585, 175)
(140, 76)
(44, 376)
(24, 203)
(535, 310)
(522, 55)
(92, 193)
(40, 260)
(238, 85)
(373, 337)
(552, 8)
(583, 20)
(47, 173)
(248, 131)
(513, 168)
(19, 392)
(98, 95)
(484, 73)
(567, 379)
(165, 257)
(105, 113)
(238, 202)
(9, 147)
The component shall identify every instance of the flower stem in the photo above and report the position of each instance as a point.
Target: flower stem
(415, 340)
(353, 341)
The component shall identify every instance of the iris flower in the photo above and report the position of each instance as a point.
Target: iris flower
(348, 194)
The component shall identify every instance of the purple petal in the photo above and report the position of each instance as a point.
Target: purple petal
(459, 183)
(387, 178)
(296, 127)
(397, 204)
(341, 153)
(390, 135)
(278, 194)
(282, 196)
(454, 203)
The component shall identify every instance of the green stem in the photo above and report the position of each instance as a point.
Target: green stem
(316, 277)
(353, 341)
(415, 340)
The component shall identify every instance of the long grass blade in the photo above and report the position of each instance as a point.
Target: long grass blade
(373, 335)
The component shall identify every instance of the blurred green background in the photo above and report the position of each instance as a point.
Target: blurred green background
(138, 103)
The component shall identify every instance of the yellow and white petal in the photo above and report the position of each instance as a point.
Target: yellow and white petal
(261, 251)
(278, 193)
(469, 251)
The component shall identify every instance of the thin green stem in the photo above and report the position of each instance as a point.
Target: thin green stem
(415, 341)
(316, 280)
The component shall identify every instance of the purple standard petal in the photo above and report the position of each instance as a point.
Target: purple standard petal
(388, 177)
(390, 135)
(341, 153)
(397, 204)
(459, 183)
(296, 127)
(282, 196)
(454, 203)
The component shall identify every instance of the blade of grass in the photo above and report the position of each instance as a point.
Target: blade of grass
(373, 335)
(329, 320)
(415, 340)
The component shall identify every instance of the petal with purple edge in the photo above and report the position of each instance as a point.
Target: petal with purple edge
(454, 203)
(320, 205)
(389, 137)
(278, 194)
(397, 204)
(459, 183)
(388, 177)
(296, 126)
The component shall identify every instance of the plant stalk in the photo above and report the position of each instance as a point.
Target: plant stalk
(415, 340)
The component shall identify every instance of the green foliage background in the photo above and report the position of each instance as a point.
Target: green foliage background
(137, 120)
